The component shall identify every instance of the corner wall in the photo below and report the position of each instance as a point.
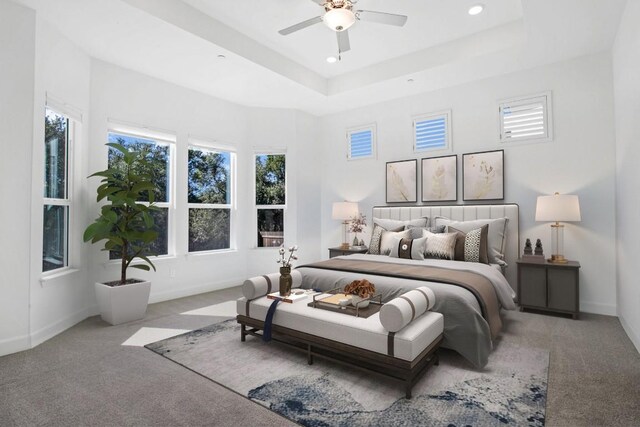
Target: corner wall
(626, 78)
(580, 160)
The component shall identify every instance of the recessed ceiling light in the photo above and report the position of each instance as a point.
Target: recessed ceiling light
(332, 59)
(221, 56)
(476, 10)
(409, 80)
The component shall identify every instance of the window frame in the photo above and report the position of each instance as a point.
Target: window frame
(446, 114)
(523, 100)
(268, 152)
(164, 139)
(374, 141)
(233, 162)
(72, 129)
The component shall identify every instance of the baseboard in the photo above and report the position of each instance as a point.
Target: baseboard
(195, 290)
(14, 345)
(50, 331)
(598, 308)
(634, 336)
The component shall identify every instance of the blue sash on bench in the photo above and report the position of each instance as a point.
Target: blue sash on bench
(266, 334)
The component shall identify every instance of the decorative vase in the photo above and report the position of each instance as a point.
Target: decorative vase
(356, 242)
(285, 281)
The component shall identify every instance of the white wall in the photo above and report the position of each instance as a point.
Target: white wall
(17, 58)
(580, 160)
(626, 75)
(62, 72)
(127, 96)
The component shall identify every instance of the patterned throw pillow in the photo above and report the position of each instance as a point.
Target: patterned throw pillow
(441, 246)
(408, 248)
(376, 235)
(471, 246)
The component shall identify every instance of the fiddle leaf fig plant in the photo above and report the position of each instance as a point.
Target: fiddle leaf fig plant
(125, 225)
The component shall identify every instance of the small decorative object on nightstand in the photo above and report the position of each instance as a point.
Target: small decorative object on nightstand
(539, 251)
(339, 251)
(528, 252)
(548, 286)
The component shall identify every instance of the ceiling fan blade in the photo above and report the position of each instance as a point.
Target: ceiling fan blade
(301, 25)
(382, 17)
(343, 41)
(320, 2)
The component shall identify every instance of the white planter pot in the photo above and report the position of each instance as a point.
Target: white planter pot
(121, 304)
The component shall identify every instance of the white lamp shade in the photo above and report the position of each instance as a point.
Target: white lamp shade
(559, 207)
(344, 210)
(339, 19)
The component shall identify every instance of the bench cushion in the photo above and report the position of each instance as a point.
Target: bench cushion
(367, 334)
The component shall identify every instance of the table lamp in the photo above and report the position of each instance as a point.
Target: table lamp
(344, 211)
(556, 208)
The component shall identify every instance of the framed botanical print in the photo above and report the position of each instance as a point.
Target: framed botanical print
(483, 175)
(402, 181)
(440, 179)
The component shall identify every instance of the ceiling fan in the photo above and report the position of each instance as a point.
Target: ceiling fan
(339, 16)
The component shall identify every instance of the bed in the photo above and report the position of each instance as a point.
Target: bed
(469, 295)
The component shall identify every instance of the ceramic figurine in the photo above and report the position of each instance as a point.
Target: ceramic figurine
(528, 250)
(539, 248)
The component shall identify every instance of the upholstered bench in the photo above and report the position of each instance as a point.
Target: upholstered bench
(400, 341)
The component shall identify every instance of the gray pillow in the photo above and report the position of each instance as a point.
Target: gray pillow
(390, 224)
(387, 239)
(408, 248)
(416, 232)
(472, 246)
(496, 238)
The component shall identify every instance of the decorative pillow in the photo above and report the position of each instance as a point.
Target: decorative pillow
(376, 234)
(400, 311)
(441, 246)
(416, 232)
(408, 248)
(496, 238)
(471, 246)
(397, 225)
(259, 286)
(387, 239)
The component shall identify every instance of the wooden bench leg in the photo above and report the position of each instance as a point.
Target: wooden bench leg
(408, 390)
(309, 355)
(243, 332)
(437, 359)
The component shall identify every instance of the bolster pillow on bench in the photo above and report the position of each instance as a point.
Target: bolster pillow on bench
(399, 312)
(259, 286)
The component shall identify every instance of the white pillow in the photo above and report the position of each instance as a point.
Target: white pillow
(399, 312)
(408, 248)
(441, 245)
(496, 238)
(394, 224)
(387, 239)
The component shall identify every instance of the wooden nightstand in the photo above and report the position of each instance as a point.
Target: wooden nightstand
(351, 250)
(549, 287)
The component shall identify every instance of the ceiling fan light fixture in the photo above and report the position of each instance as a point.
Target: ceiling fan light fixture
(339, 19)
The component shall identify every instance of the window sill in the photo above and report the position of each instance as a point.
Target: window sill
(210, 253)
(47, 279)
(159, 260)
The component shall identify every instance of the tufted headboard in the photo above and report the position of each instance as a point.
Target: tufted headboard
(467, 213)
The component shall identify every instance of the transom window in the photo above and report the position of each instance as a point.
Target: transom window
(59, 131)
(210, 198)
(361, 142)
(271, 192)
(526, 118)
(432, 132)
(158, 153)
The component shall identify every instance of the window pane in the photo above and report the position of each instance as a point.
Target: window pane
(161, 245)
(209, 229)
(209, 177)
(55, 155)
(54, 242)
(156, 154)
(270, 227)
(270, 179)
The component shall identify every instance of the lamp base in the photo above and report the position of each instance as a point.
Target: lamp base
(558, 259)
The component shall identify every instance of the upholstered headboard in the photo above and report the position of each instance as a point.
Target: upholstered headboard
(467, 213)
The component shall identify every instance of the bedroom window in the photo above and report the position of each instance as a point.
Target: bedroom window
(210, 196)
(159, 153)
(432, 132)
(271, 188)
(526, 118)
(361, 142)
(59, 132)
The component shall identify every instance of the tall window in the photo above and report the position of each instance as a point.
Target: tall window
(270, 198)
(210, 198)
(59, 131)
(158, 153)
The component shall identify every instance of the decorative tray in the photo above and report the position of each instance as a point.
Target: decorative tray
(330, 301)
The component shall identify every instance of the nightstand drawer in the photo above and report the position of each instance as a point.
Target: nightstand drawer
(562, 289)
(533, 286)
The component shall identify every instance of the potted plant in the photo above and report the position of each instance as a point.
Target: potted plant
(127, 228)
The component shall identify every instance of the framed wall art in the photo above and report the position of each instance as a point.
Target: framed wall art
(440, 179)
(402, 181)
(483, 176)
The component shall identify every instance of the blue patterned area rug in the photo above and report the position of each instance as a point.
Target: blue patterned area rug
(510, 391)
